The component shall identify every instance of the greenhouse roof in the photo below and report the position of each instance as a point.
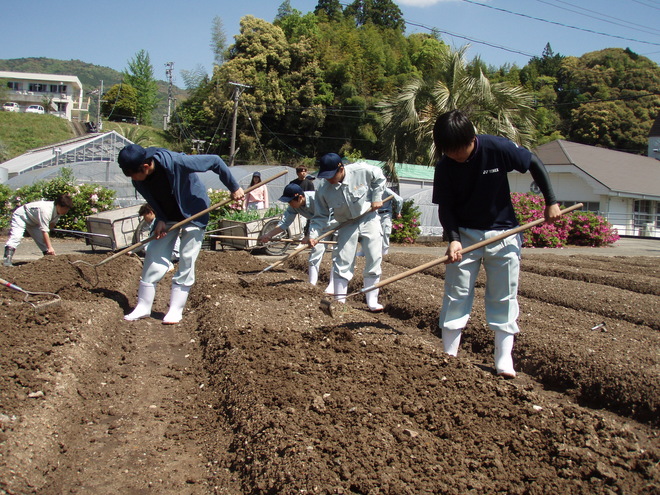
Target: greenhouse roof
(91, 148)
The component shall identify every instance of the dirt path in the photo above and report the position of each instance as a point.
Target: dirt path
(258, 392)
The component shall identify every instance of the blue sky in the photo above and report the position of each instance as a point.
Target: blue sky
(500, 31)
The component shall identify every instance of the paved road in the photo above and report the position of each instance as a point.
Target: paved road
(28, 250)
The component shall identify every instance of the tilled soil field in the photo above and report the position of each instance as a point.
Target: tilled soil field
(259, 392)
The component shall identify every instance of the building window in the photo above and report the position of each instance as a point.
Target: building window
(53, 88)
(593, 206)
(62, 88)
(642, 213)
(15, 86)
(38, 88)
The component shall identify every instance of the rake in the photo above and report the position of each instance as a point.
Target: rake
(326, 305)
(39, 305)
(78, 263)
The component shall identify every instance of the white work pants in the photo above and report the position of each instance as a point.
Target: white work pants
(369, 234)
(159, 253)
(501, 261)
(19, 224)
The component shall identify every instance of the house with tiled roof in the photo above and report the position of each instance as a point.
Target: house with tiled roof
(622, 187)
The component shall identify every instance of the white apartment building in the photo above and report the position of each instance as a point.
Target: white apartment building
(65, 93)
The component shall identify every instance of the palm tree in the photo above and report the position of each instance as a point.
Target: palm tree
(409, 116)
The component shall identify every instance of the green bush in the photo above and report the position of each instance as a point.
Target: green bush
(88, 199)
(406, 229)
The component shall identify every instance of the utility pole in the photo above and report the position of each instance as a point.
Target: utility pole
(99, 124)
(238, 91)
(170, 98)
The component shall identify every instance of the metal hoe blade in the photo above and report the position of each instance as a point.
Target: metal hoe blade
(326, 307)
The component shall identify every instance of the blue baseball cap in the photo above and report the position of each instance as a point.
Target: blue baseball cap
(134, 155)
(290, 192)
(328, 165)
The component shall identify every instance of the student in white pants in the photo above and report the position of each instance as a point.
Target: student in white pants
(350, 191)
(471, 190)
(301, 203)
(170, 184)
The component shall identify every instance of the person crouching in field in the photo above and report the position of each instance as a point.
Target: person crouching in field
(37, 218)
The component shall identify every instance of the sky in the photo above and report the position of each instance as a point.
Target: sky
(499, 31)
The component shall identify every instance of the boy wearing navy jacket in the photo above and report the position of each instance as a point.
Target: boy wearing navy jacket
(169, 182)
(471, 190)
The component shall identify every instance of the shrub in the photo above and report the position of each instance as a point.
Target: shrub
(581, 228)
(406, 229)
(589, 229)
(234, 210)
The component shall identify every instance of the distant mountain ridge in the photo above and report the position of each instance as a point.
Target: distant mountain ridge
(90, 76)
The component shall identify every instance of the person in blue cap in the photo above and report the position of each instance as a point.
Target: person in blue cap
(168, 181)
(301, 203)
(350, 191)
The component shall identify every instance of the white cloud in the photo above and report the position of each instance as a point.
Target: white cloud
(422, 3)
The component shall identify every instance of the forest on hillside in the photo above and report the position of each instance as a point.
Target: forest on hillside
(348, 79)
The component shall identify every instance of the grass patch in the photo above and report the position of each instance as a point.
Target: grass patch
(20, 132)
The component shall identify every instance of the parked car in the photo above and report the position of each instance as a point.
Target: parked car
(10, 106)
(35, 109)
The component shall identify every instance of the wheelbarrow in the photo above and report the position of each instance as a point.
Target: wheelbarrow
(326, 304)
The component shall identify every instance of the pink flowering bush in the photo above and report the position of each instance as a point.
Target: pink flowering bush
(580, 228)
(589, 229)
(406, 229)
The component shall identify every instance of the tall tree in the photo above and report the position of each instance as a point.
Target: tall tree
(383, 13)
(140, 75)
(409, 115)
(284, 10)
(331, 9)
(218, 41)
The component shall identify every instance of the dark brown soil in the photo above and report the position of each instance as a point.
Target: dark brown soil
(259, 392)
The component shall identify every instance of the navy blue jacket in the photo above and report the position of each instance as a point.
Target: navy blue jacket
(186, 187)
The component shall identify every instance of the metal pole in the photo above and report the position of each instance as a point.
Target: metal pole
(238, 91)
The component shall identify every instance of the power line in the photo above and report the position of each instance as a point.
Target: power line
(596, 17)
(559, 23)
(473, 40)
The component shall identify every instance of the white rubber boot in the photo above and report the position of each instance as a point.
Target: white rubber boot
(146, 295)
(313, 274)
(503, 359)
(331, 282)
(372, 295)
(340, 289)
(451, 340)
(178, 298)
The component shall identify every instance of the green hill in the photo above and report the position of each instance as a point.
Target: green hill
(90, 76)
